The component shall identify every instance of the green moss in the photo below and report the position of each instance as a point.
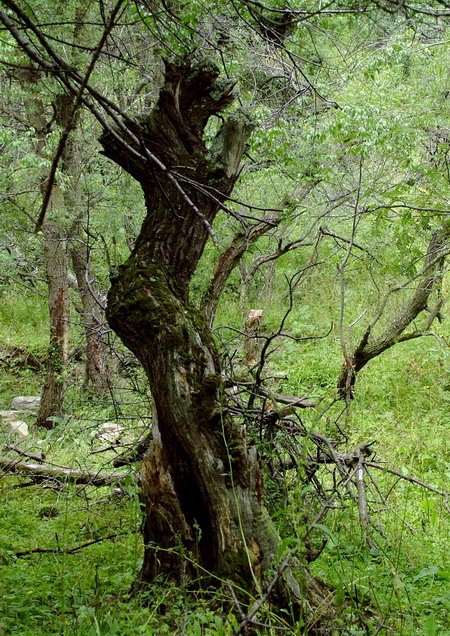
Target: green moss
(140, 292)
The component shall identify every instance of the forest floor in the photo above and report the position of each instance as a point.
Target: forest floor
(69, 553)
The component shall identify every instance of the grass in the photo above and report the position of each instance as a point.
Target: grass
(23, 320)
(403, 582)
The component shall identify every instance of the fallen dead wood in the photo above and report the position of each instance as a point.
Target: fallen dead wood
(43, 472)
(37, 457)
(69, 550)
(291, 400)
(355, 458)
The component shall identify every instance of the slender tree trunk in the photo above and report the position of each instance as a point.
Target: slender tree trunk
(201, 484)
(56, 239)
(96, 376)
(57, 267)
(55, 248)
(52, 401)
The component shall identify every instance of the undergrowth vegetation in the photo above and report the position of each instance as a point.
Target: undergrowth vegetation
(399, 578)
(339, 379)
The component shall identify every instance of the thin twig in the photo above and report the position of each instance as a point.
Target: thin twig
(69, 550)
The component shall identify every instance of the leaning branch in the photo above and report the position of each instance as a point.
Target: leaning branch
(71, 118)
(370, 347)
(413, 480)
(231, 257)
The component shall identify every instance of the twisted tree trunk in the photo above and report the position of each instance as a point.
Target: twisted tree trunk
(201, 484)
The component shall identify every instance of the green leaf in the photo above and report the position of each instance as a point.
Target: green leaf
(431, 570)
(430, 627)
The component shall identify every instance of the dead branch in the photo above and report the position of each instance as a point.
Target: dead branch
(72, 116)
(361, 488)
(249, 617)
(69, 550)
(326, 232)
(43, 472)
(290, 400)
(284, 248)
(37, 457)
(413, 480)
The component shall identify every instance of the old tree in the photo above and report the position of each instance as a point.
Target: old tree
(201, 479)
(201, 483)
(192, 481)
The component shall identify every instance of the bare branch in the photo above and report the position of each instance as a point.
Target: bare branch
(71, 117)
(43, 472)
(109, 537)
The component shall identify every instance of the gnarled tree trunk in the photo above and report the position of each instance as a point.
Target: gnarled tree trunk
(201, 484)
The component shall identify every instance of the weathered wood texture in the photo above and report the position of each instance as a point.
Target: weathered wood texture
(42, 472)
(201, 485)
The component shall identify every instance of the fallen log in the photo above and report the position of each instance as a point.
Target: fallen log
(43, 472)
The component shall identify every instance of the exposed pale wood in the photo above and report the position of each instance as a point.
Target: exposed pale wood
(291, 400)
(43, 472)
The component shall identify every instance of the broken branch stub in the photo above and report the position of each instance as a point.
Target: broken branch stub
(252, 327)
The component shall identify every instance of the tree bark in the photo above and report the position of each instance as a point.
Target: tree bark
(55, 250)
(52, 401)
(96, 373)
(201, 484)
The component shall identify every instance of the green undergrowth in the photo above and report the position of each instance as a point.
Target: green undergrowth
(399, 575)
(23, 319)
(396, 580)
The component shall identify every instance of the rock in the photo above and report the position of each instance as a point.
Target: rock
(109, 432)
(9, 415)
(18, 428)
(26, 403)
